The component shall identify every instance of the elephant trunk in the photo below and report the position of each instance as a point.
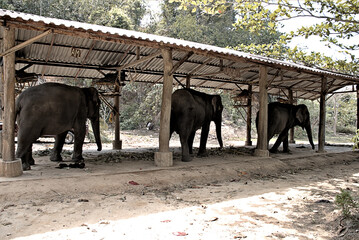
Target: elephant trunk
(309, 133)
(96, 131)
(219, 132)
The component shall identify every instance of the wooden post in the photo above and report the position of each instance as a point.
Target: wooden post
(262, 142)
(188, 81)
(164, 157)
(9, 166)
(117, 143)
(357, 106)
(321, 133)
(248, 141)
(1, 97)
(291, 101)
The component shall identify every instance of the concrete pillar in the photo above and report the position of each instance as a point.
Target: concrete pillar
(9, 166)
(164, 157)
(262, 142)
(321, 133)
(249, 117)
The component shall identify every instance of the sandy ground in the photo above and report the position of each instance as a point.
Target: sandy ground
(228, 195)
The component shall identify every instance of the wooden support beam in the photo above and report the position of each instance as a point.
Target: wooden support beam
(14, 48)
(9, 166)
(117, 143)
(291, 101)
(180, 62)
(84, 60)
(357, 90)
(141, 60)
(188, 81)
(164, 157)
(178, 81)
(248, 141)
(262, 142)
(321, 133)
(48, 54)
(200, 66)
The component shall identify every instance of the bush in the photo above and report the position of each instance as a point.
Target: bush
(348, 204)
(346, 129)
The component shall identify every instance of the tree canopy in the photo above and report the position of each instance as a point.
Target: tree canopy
(337, 23)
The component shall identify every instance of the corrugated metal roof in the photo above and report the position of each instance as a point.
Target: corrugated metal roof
(85, 50)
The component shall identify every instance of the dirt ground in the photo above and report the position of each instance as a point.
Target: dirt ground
(228, 195)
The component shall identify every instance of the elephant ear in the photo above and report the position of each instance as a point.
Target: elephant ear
(92, 101)
(300, 115)
(217, 103)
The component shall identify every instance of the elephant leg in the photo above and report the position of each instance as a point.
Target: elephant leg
(190, 142)
(29, 157)
(286, 144)
(80, 133)
(24, 147)
(59, 144)
(204, 136)
(280, 139)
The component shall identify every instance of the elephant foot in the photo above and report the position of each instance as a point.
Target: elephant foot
(32, 161)
(273, 150)
(26, 167)
(55, 158)
(78, 160)
(186, 159)
(202, 154)
(287, 151)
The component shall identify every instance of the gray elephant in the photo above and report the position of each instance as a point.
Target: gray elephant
(54, 109)
(281, 118)
(190, 111)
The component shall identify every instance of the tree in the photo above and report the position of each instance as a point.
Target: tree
(199, 26)
(338, 23)
(115, 13)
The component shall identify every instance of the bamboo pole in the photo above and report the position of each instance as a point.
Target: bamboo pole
(9, 166)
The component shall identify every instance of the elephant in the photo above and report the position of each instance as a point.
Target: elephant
(190, 111)
(281, 118)
(54, 109)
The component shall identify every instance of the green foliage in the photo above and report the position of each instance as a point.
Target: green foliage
(140, 103)
(355, 140)
(115, 13)
(347, 203)
(199, 26)
(338, 23)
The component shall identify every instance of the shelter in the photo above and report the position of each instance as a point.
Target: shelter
(35, 46)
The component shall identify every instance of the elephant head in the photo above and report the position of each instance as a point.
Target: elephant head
(303, 119)
(93, 113)
(217, 117)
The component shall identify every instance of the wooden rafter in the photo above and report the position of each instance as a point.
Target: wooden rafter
(200, 66)
(180, 62)
(26, 43)
(48, 54)
(141, 60)
(85, 58)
